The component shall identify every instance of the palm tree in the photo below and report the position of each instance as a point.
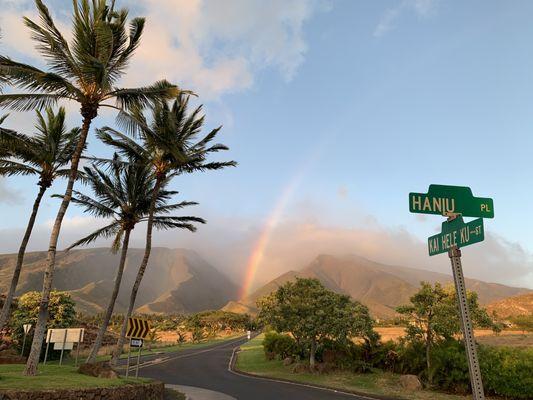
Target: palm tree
(45, 155)
(123, 195)
(169, 145)
(85, 70)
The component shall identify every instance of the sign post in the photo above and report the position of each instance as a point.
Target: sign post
(26, 328)
(137, 330)
(466, 325)
(128, 363)
(456, 202)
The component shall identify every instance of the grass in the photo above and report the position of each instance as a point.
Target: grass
(252, 360)
(171, 394)
(69, 360)
(55, 377)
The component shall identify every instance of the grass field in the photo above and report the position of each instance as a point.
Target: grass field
(484, 336)
(55, 377)
(252, 359)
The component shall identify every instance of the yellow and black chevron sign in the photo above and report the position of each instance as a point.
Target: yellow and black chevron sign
(137, 328)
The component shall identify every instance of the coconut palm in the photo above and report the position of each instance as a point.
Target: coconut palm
(44, 155)
(169, 145)
(86, 71)
(123, 195)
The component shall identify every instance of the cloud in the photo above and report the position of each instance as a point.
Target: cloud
(217, 47)
(9, 196)
(209, 46)
(227, 243)
(421, 8)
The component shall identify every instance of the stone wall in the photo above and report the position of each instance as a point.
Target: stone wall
(147, 391)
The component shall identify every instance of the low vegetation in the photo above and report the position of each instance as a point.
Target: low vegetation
(429, 350)
(55, 377)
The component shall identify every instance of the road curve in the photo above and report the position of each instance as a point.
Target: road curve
(208, 368)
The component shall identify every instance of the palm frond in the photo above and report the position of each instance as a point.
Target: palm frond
(105, 232)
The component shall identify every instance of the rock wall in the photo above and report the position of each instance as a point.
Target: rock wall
(147, 391)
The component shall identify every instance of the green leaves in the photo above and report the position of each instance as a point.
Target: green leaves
(44, 153)
(309, 311)
(85, 70)
(122, 193)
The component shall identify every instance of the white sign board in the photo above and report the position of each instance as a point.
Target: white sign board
(73, 335)
(27, 328)
(136, 343)
(59, 346)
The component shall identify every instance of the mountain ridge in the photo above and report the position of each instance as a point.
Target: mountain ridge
(381, 287)
(173, 281)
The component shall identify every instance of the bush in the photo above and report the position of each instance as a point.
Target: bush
(61, 311)
(279, 345)
(449, 367)
(507, 371)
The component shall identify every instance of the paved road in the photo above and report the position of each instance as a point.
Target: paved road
(208, 368)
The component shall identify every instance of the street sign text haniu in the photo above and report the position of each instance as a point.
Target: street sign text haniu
(433, 205)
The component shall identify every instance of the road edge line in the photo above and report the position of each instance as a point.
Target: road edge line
(233, 370)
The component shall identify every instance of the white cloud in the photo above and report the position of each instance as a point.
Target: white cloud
(8, 195)
(212, 47)
(217, 47)
(421, 8)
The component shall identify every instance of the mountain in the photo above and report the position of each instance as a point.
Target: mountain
(512, 306)
(381, 287)
(176, 280)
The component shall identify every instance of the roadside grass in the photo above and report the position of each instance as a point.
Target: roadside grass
(171, 394)
(70, 359)
(251, 359)
(55, 377)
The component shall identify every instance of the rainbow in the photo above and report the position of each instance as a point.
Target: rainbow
(261, 243)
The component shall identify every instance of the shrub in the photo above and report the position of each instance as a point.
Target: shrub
(507, 371)
(61, 311)
(411, 358)
(449, 368)
(280, 345)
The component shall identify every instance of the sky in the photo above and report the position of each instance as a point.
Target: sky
(335, 111)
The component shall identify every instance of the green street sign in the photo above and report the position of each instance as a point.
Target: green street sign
(456, 233)
(444, 200)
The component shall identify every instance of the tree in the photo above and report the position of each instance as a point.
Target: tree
(86, 71)
(169, 145)
(434, 316)
(123, 194)
(62, 312)
(311, 313)
(44, 154)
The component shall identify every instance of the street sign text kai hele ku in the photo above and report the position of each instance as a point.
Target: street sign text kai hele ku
(456, 233)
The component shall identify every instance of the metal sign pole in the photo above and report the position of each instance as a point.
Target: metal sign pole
(78, 349)
(49, 335)
(466, 325)
(128, 364)
(23, 343)
(63, 348)
(138, 361)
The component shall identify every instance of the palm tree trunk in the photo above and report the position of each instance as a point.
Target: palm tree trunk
(107, 317)
(140, 273)
(20, 258)
(42, 318)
